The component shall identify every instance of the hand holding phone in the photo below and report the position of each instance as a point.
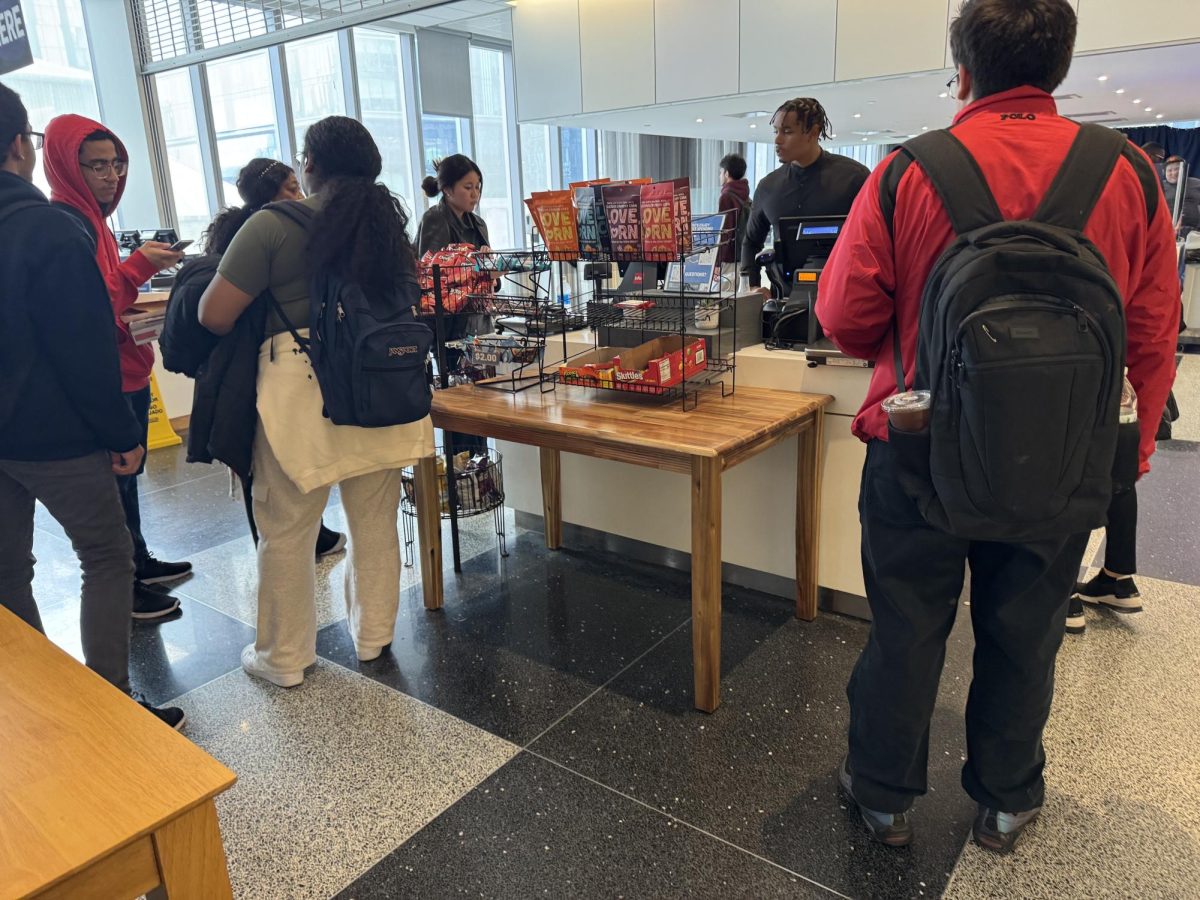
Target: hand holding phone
(180, 246)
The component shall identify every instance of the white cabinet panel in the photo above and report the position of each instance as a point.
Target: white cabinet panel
(546, 56)
(616, 39)
(695, 49)
(787, 44)
(1106, 24)
(877, 38)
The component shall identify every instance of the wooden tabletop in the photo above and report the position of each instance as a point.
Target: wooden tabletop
(627, 427)
(83, 769)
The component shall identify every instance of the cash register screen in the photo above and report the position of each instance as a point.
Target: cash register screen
(814, 230)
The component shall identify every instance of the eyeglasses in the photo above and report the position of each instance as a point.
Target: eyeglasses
(103, 168)
(38, 139)
(950, 85)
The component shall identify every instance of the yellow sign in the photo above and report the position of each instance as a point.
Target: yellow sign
(161, 432)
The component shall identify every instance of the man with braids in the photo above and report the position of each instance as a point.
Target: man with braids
(808, 182)
(359, 232)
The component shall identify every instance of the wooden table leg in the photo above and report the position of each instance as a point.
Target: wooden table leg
(429, 531)
(808, 515)
(191, 858)
(706, 581)
(552, 497)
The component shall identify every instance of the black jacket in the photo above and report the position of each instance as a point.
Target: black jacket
(60, 379)
(826, 188)
(441, 226)
(225, 395)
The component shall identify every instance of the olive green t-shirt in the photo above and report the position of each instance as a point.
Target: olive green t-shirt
(270, 252)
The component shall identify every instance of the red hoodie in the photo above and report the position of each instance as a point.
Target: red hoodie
(64, 137)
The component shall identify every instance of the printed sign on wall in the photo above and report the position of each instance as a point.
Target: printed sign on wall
(15, 52)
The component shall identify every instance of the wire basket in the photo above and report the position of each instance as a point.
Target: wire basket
(479, 480)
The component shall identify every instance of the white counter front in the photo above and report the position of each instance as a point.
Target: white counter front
(759, 514)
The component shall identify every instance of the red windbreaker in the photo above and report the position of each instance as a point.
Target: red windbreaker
(871, 278)
(64, 136)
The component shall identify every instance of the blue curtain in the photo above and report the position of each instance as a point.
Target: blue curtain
(1183, 142)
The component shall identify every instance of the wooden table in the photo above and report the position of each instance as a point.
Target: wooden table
(718, 434)
(98, 799)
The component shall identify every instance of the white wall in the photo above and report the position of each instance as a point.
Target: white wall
(876, 39)
(1109, 24)
(769, 38)
(549, 79)
(695, 48)
(616, 53)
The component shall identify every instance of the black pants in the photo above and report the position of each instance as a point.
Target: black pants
(127, 485)
(914, 576)
(1120, 543)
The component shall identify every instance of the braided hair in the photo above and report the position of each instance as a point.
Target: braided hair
(809, 113)
(257, 184)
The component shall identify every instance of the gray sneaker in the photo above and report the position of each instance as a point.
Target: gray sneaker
(998, 831)
(890, 829)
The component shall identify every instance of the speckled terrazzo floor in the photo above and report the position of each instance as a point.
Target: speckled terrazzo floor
(536, 738)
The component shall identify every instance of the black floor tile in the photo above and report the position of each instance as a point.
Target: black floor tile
(1168, 514)
(166, 660)
(760, 772)
(520, 642)
(536, 830)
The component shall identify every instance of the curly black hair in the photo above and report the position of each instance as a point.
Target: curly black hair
(361, 232)
(809, 113)
(258, 184)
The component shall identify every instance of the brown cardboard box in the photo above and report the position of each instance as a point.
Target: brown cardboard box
(593, 367)
(661, 362)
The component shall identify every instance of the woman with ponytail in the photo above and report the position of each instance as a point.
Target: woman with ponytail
(358, 231)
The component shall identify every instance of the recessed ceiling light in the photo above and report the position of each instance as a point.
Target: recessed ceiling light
(1159, 116)
(944, 94)
(1120, 90)
(753, 124)
(864, 140)
(699, 121)
(1149, 109)
(858, 115)
(1137, 99)
(1102, 78)
(924, 127)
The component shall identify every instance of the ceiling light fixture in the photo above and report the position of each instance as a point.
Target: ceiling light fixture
(944, 94)
(1120, 90)
(1149, 109)
(1137, 99)
(1159, 116)
(699, 121)
(1102, 78)
(865, 140)
(858, 115)
(753, 124)
(924, 127)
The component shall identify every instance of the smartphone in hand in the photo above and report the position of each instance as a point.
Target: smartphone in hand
(180, 246)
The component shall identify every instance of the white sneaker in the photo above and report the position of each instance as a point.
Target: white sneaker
(370, 654)
(282, 679)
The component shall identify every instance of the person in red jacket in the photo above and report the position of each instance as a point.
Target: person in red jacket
(87, 167)
(1010, 56)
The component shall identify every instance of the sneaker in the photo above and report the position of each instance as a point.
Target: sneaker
(891, 829)
(329, 541)
(1076, 623)
(171, 716)
(151, 604)
(998, 831)
(280, 679)
(1120, 594)
(155, 571)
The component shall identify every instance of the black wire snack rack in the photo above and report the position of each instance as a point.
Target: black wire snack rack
(478, 490)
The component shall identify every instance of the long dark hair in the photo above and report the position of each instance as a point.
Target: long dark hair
(361, 232)
(450, 171)
(257, 184)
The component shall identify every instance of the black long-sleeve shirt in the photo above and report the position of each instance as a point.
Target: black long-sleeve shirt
(60, 379)
(825, 188)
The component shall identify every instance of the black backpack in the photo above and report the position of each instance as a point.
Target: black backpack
(368, 353)
(1022, 345)
(185, 344)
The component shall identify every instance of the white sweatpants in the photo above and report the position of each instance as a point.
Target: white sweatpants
(288, 522)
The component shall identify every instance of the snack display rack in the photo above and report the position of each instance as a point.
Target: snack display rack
(478, 490)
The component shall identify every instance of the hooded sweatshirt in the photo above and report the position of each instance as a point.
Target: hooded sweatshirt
(60, 384)
(734, 202)
(64, 137)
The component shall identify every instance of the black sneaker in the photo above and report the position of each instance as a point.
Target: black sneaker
(1120, 594)
(151, 604)
(329, 541)
(891, 829)
(998, 831)
(1076, 623)
(155, 571)
(171, 716)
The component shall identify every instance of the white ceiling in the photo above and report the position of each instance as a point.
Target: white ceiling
(1167, 79)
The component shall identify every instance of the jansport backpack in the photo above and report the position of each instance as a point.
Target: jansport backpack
(1022, 346)
(368, 353)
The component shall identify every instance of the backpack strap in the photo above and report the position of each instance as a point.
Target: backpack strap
(13, 208)
(302, 215)
(1081, 179)
(956, 177)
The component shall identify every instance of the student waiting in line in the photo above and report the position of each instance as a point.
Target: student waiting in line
(65, 428)
(1010, 56)
(222, 421)
(87, 167)
(357, 232)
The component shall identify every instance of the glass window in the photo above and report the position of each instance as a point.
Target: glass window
(384, 113)
(184, 160)
(314, 74)
(444, 136)
(60, 79)
(490, 106)
(619, 155)
(243, 113)
(578, 158)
